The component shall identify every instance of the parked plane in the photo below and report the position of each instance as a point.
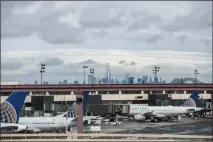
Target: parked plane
(10, 111)
(55, 123)
(160, 113)
(86, 119)
(11, 108)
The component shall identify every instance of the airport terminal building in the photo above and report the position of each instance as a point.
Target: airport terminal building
(106, 98)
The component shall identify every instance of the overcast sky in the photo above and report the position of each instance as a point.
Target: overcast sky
(132, 37)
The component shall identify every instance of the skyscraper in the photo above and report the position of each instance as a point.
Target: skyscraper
(139, 80)
(108, 74)
(75, 82)
(65, 82)
(127, 78)
(131, 80)
(150, 79)
(90, 79)
(145, 79)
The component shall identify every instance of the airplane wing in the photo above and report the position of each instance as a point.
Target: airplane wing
(33, 130)
(157, 115)
(12, 127)
(153, 114)
(9, 129)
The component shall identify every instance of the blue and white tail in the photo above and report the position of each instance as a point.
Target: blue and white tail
(191, 102)
(11, 108)
(73, 112)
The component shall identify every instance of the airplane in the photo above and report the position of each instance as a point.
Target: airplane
(11, 122)
(10, 111)
(53, 123)
(161, 113)
(86, 119)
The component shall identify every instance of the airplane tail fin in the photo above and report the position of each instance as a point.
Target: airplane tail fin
(73, 112)
(11, 108)
(192, 100)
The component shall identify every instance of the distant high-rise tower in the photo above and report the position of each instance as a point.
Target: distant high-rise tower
(65, 82)
(108, 74)
(145, 79)
(90, 79)
(150, 79)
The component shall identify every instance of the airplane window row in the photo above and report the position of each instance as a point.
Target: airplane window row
(44, 123)
(139, 108)
(40, 123)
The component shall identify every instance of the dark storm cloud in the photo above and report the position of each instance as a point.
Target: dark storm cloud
(11, 64)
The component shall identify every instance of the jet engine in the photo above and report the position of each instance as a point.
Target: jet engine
(21, 128)
(139, 117)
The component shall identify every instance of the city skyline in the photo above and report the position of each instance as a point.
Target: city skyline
(132, 37)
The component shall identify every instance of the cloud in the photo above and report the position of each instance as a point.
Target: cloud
(153, 39)
(68, 35)
(44, 22)
(144, 21)
(11, 64)
(53, 62)
(123, 62)
(99, 16)
(132, 63)
(182, 38)
(198, 19)
(89, 61)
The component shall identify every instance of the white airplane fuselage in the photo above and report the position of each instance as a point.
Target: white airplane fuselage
(46, 124)
(164, 110)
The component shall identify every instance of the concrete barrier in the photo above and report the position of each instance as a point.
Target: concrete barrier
(100, 137)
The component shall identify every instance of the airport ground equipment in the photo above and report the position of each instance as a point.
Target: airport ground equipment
(95, 129)
(116, 123)
(98, 122)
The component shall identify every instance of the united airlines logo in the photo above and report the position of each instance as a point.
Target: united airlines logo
(190, 102)
(73, 112)
(8, 113)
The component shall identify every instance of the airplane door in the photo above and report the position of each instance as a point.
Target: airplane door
(158, 103)
(166, 103)
(174, 110)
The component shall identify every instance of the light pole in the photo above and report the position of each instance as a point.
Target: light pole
(155, 70)
(84, 72)
(92, 72)
(42, 71)
(196, 73)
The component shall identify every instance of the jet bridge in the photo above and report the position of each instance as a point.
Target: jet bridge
(159, 99)
(41, 104)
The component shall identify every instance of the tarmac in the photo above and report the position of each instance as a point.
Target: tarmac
(185, 126)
